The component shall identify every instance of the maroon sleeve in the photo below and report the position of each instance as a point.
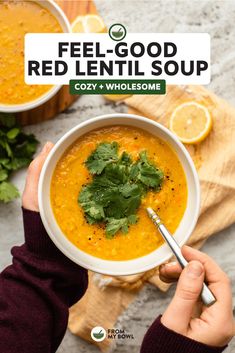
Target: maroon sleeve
(36, 292)
(160, 339)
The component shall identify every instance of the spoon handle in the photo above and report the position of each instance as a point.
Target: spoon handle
(206, 295)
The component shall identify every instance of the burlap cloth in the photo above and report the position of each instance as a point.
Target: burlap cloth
(107, 297)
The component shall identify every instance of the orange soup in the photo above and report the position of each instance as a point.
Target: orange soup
(142, 238)
(16, 19)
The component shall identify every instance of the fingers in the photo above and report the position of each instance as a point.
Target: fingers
(217, 280)
(30, 194)
(214, 273)
(37, 164)
(178, 315)
(170, 272)
(180, 310)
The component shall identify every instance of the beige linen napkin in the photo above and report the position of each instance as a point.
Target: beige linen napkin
(107, 297)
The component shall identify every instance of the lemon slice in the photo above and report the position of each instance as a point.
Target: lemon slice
(88, 24)
(77, 25)
(116, 97)
(191, 122)
(94, 24)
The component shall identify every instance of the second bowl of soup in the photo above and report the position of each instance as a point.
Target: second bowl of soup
(18, 18)
(99, 179)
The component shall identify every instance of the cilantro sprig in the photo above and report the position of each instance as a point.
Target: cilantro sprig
(16, 151)
(114, 195)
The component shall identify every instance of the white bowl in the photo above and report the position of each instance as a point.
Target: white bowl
(140, 264)
(55, 10)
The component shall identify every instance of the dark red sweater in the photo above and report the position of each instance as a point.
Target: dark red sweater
(39, 287)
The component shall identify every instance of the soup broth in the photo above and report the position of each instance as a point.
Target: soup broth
(142, 238)
(16, 19)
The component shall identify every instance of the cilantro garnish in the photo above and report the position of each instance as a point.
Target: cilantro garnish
(114, 195)
(16, 151)
(104, 154)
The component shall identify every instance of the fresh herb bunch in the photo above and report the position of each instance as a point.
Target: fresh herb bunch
(118, 185)
(16, 151)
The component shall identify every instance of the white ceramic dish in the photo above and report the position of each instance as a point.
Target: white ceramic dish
(65, 25)
(146, 262)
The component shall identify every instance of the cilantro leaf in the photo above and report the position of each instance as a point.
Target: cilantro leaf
(16, 151)
(26, 146)
(114, 225)
(145, 172)
(7, 120)
(94, 212)
(17, 163)
(103, 155)
(4, 162)
(8, 192)
(11, 134)
(3, 175)
(114, 195)
(132, 219)
(6, 147)
(125, 159)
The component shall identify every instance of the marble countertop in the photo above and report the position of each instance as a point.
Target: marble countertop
(214, 17)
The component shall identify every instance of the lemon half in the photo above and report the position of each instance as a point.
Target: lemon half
(191, 122)
(88, 24)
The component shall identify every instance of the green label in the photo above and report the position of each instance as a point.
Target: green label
(117, 86)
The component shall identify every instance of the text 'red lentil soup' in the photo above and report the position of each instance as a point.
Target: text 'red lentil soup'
(142, 238)
(16, 19)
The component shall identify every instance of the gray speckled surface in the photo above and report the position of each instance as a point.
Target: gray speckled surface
(214, 17)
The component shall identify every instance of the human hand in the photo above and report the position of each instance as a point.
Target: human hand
(212, 325)
(30, 194)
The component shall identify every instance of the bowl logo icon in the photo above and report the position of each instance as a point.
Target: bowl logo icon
(117, 31)
(98, 334)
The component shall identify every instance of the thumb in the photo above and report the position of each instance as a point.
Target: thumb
(180, 310)
(36, 165)
(30, 194)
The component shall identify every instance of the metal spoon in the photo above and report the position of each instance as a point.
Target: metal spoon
(206, 295)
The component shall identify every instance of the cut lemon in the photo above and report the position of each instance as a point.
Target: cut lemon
(88, 24)
(94, 24)
(116, 97)
(191, 122)
(77, 25)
